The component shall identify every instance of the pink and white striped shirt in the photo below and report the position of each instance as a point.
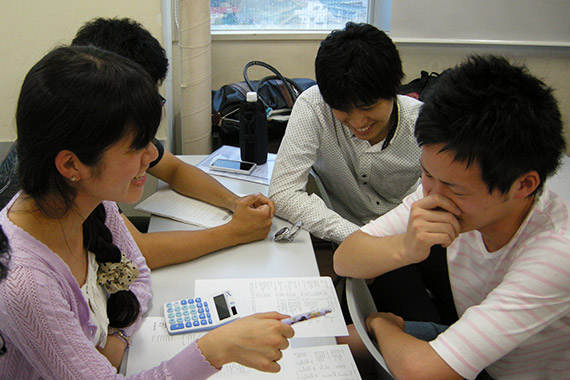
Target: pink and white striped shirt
(514, 304)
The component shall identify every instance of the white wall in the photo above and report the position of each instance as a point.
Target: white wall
(544, 21)
(30, 29)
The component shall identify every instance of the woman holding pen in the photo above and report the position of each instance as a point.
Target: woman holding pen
(73, 282)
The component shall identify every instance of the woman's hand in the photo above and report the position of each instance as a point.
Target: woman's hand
(255, 341)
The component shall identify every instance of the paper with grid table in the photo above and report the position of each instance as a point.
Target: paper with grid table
(287, 295)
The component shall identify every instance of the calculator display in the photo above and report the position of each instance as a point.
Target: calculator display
(222, 307)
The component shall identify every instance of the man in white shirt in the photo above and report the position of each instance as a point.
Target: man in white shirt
(354, 131)
(490, 136)
(357, 134)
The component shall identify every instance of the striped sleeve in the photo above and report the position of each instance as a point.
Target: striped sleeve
(523, 320)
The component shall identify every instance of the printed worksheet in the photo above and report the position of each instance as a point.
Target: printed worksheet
(152, 344)
(288, 295)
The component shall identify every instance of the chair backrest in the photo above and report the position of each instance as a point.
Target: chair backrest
(9, 184)
(315, 185)
(320, 188)
(360, 305)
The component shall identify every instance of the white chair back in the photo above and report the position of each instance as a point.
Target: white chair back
(360, 305)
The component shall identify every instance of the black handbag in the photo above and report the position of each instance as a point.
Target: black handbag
(422, 87)
(276, 92)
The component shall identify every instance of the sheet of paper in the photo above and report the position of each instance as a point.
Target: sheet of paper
(290, 295)
(152, 344)
(325, 362)
(168, 203)
(261, 174)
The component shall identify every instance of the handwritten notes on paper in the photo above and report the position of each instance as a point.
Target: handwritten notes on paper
(152, 345)
(288, 295)
(325, 362)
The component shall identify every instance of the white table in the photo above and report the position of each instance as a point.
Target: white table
(259, 259)
(264, 258)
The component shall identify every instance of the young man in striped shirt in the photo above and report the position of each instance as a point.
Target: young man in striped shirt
(490, 137)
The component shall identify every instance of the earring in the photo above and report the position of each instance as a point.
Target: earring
(73, 178)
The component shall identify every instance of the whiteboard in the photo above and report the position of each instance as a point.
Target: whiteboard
(528, 21)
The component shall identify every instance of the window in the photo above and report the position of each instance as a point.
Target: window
(296, 15)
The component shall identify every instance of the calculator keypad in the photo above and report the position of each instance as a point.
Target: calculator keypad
(187, 315)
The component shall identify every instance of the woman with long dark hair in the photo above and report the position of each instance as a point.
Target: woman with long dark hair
(74, 283)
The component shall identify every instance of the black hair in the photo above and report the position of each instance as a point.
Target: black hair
(357, 66)
(490, 112)
(128, 38)
(83, 99)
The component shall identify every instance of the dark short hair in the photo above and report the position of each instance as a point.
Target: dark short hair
(496, 114)
(357, 66)
(81, 99)
(127, 38)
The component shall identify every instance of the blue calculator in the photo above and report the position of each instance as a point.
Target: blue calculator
(200, 313)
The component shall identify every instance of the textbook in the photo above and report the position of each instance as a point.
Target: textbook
(170, 204)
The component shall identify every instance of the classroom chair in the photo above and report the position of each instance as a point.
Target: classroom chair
(360, 305)
(315, 185)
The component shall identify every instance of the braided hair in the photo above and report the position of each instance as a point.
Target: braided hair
(83, 99)
(4, 254)
(122, 306)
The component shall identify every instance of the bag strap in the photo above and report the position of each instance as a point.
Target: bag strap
(286, 83)
(294, 85)
(240, 87)
(282, 88)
